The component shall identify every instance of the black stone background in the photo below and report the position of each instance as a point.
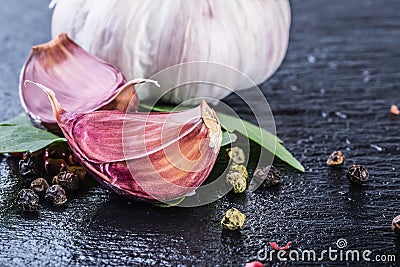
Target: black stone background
(333, 91)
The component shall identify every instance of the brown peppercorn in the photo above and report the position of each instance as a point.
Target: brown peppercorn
(54, 166)
(27, 200)
(66, 180)
(357, 174)
(72, 160)
(396, 225)
(269, 176)
(39, 185)
(56, 194)
(58, 150)
(336, 158)
(79, 171)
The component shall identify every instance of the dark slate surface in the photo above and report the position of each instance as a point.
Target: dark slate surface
(334, 90)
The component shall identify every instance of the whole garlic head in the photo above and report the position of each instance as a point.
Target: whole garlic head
(143, 37)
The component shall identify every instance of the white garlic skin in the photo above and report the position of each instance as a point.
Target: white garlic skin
(143, 37)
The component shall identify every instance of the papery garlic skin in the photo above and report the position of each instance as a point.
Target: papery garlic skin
(152, 157)
(144, 37)
(84, 82)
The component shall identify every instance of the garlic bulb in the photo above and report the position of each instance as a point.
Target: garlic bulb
(143, 37)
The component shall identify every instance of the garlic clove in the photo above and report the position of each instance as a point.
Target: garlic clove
(146, 156)
(83, 82)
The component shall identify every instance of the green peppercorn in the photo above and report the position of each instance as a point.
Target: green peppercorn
(56, 194)
(240, 169)
(237, 180)
(233, 220)
(357, 174)
(27, 200)
(237, 155)
(39, 185)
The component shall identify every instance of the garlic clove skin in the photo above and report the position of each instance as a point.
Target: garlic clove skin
(143, 38)
(84, 83)
(152, 157)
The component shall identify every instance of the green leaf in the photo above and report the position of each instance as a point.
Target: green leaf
(21, 138)
(262, 137)
(21, 119)
(267, 140)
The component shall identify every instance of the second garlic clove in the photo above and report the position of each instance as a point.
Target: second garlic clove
(152, 157)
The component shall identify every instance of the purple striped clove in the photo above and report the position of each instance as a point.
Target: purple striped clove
(153, 157)
(83, 82)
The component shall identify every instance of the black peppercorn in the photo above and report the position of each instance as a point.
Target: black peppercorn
(357, 174)
(396, 225)
(336, 158)
(39, 185)
(67, 180)
(54, 166)
(30, 166)
(269, 176)
(27, 200)
(56, 194)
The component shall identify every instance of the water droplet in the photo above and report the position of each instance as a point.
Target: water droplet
(311, 59)
(332, 65)
(376, 147)
(341, 115)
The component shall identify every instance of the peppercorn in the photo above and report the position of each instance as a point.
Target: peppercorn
(39, 185)
(233, 220)
(268, 176)
(237, 180)
(336, 158)
(72, 160)
(237, 155)
(240, 169)
(30, 166)
(236, 177)
(58, 150)
(357, 174)
(394, 110)
(396, 225)
(77, 170)
(54, 166)
(27, 200)
(67, 180)
(56, 194)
